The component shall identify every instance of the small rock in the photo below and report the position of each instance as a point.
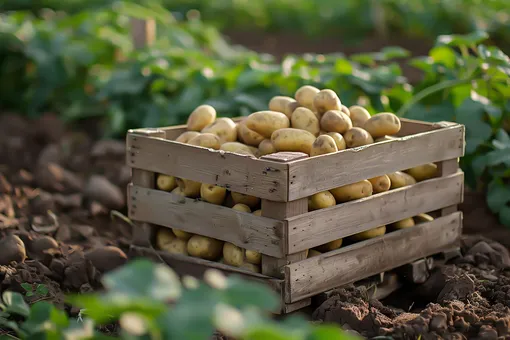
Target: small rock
(53, 177)
(438, 323)
(41, 203)
(5, 186)
(68, 201)
(57, 267)
(12, 249)
(40, 246)
(100, 189)
(106, 258)
(63, 233)
(50, 154)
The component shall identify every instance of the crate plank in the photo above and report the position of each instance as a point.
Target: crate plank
(346, 265)
(240, 173)
(311, 175)
(245, 230)
(321, 226)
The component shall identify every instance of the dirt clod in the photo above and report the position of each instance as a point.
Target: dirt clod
(12, 249)
(100, 189)
(106, 258)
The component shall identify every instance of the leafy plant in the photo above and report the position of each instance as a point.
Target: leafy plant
(39, 290)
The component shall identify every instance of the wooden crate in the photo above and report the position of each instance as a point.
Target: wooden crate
(286, 229)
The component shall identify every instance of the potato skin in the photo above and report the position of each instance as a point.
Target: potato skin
(266, 122)
(251, 256)
(383, 123)
(279, 104)
(291, 107)
(356, 136)
(305, 96)
(359, 115)
(422, 218)
(248, 136)
(205, 247)
(202, 116)
(242, 207)
(321, 200)
(368, 234)
(326, 100)
(212, 193)
(257, 212)
(206, 140)
(423, 172)
(189, 188)
(335, 121)
(345, 110)
(183, 235)
(177, 246)
(304, 119)
(237, 148)
(322, 145)
(251, 267)
(402, 224)
(290, 139)
(224, 128)
(313, 253)
(163, 237)
(400, 179)
(380, 183)
(178, 191)
(232, 254)
(324, 248)
(250, 201)
(339, 140)
(185, 137)
(351, 192)
(266, 147)
(166, 183)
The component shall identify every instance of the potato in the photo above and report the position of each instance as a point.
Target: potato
(189, 188)
(237, 148)
(423, 172)
(372, 233)
(233, 255)
(304, 119)
(400, 179)
(178, 191)
(251, 256)
(257, 212)
(279, 104)
(248, 136)
(266, 122)
(185, 137)
(242, 207)
(255, 151)
(326, 100)
(380, 183)
(163, 237)
(359, 115)
(177, 246)
(345, 110)
(181, 234)
(384, 123)
(251, 267)
(205, 247)
(290, 139)
(290, 108)
(385, 138)
(402, 224)
(422, 218)
(266, 147)
(201, 117)
(324, 248)
(356, 136)
(224, 128)
(335, 121)
(322, 145)
(321, 200)
(206, 140)
(352, 191)
(212, 193)
(248, 200)
(339, 140)
(313, 253)
(305, 96)
(166, 183)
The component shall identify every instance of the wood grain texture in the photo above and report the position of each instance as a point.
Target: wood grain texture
(240, 173)
(311, 175)
(245, 230)
(446, 168)
(321, 226)
(346, 265)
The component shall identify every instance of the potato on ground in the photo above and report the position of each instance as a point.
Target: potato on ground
(163, 237)
(279, 104)
(321, 200)
(185, 137)
(313, 253)
(267, 122)
(324, 248)
(359, 115)
(251, 256)
(247, 136)
(372, 233)
(189, 188)
(224, 128)
(402, 224)
(380, 183)
(250, 201)
(351, 192)
(326, 100)
(201, 117)
(305, 96)
(290, 139)
(183, 235)
(166, 183)
(237, 148)
(322, 145)
(356, 136)
(339, 140)
(304, 119)
(251, 267)
(206, 140)
(400, 179)
(205, 247)
(266, 147)
(242, 207)
(232, 254)
(335, 121)
(422, 218)
(177, 246)
(213, 193)
(381, 124)
(423, 172)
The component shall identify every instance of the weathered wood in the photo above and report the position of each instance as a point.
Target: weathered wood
(245, 230)
(321, 226)
(346, 265)
(311, 175)
(292, 307)
(412, 127)
(240, 173)
(446, 168)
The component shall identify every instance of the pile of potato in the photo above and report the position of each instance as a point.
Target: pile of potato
(314, 122)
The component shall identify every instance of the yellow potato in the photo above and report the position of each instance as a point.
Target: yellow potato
(248, 200)
(166, 183)
(177, 246)
(255, 151)
(372, 233)
(385, 138)
(251, 267)
(304, 119)
(359, 115)
(181, 234)
(266, 147)
(339, 140)
(257, 212)
(321, 200)
(356, 136)
(233, 255)
(400, 179)
(422, 218)
(305, 96)
(248, 136)
(252, 256)
(380, 183)
(322, 145)
(206, 140)
(279, 104)
(185, 137)
(423, 172)
(163, 238)
(335, 121)
(212, 193)
(237, 148)
(324, 248)
(266, 122)
(352, 191)
(290, 139)
(313, 253)
(326, 100)
(189, 188)
(384, 123)
(201, 117)
(205, 247)
(178, 191)
(402, 224)
(290, 108)
(224, 128)
(242, 207)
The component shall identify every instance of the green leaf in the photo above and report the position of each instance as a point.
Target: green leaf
(498, 195)
(444, 55)
(42, 289)
(343, 66)
(471, 114)
(241, 293)
(326, 332)
(479, 164)
(462, 40)
(15, 304)
(27, 286)
(504, 216)
(432, 113)
(499, 156)
(392, 52)
(44, 317)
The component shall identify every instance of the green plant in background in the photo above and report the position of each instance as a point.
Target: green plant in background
(39, 290)
(149, 301)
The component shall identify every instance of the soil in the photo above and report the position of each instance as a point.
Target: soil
(58, 186)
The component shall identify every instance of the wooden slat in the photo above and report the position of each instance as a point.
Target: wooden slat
(412, 127)
(240, 173)
(245, 230)
(346, 265)
(321, 226)
(445, 168)
(311, 175)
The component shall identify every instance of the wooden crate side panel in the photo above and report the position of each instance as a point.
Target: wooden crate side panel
(260, 178)
(347, 265)
(321, 226)
(311, 175)
(242, 229)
